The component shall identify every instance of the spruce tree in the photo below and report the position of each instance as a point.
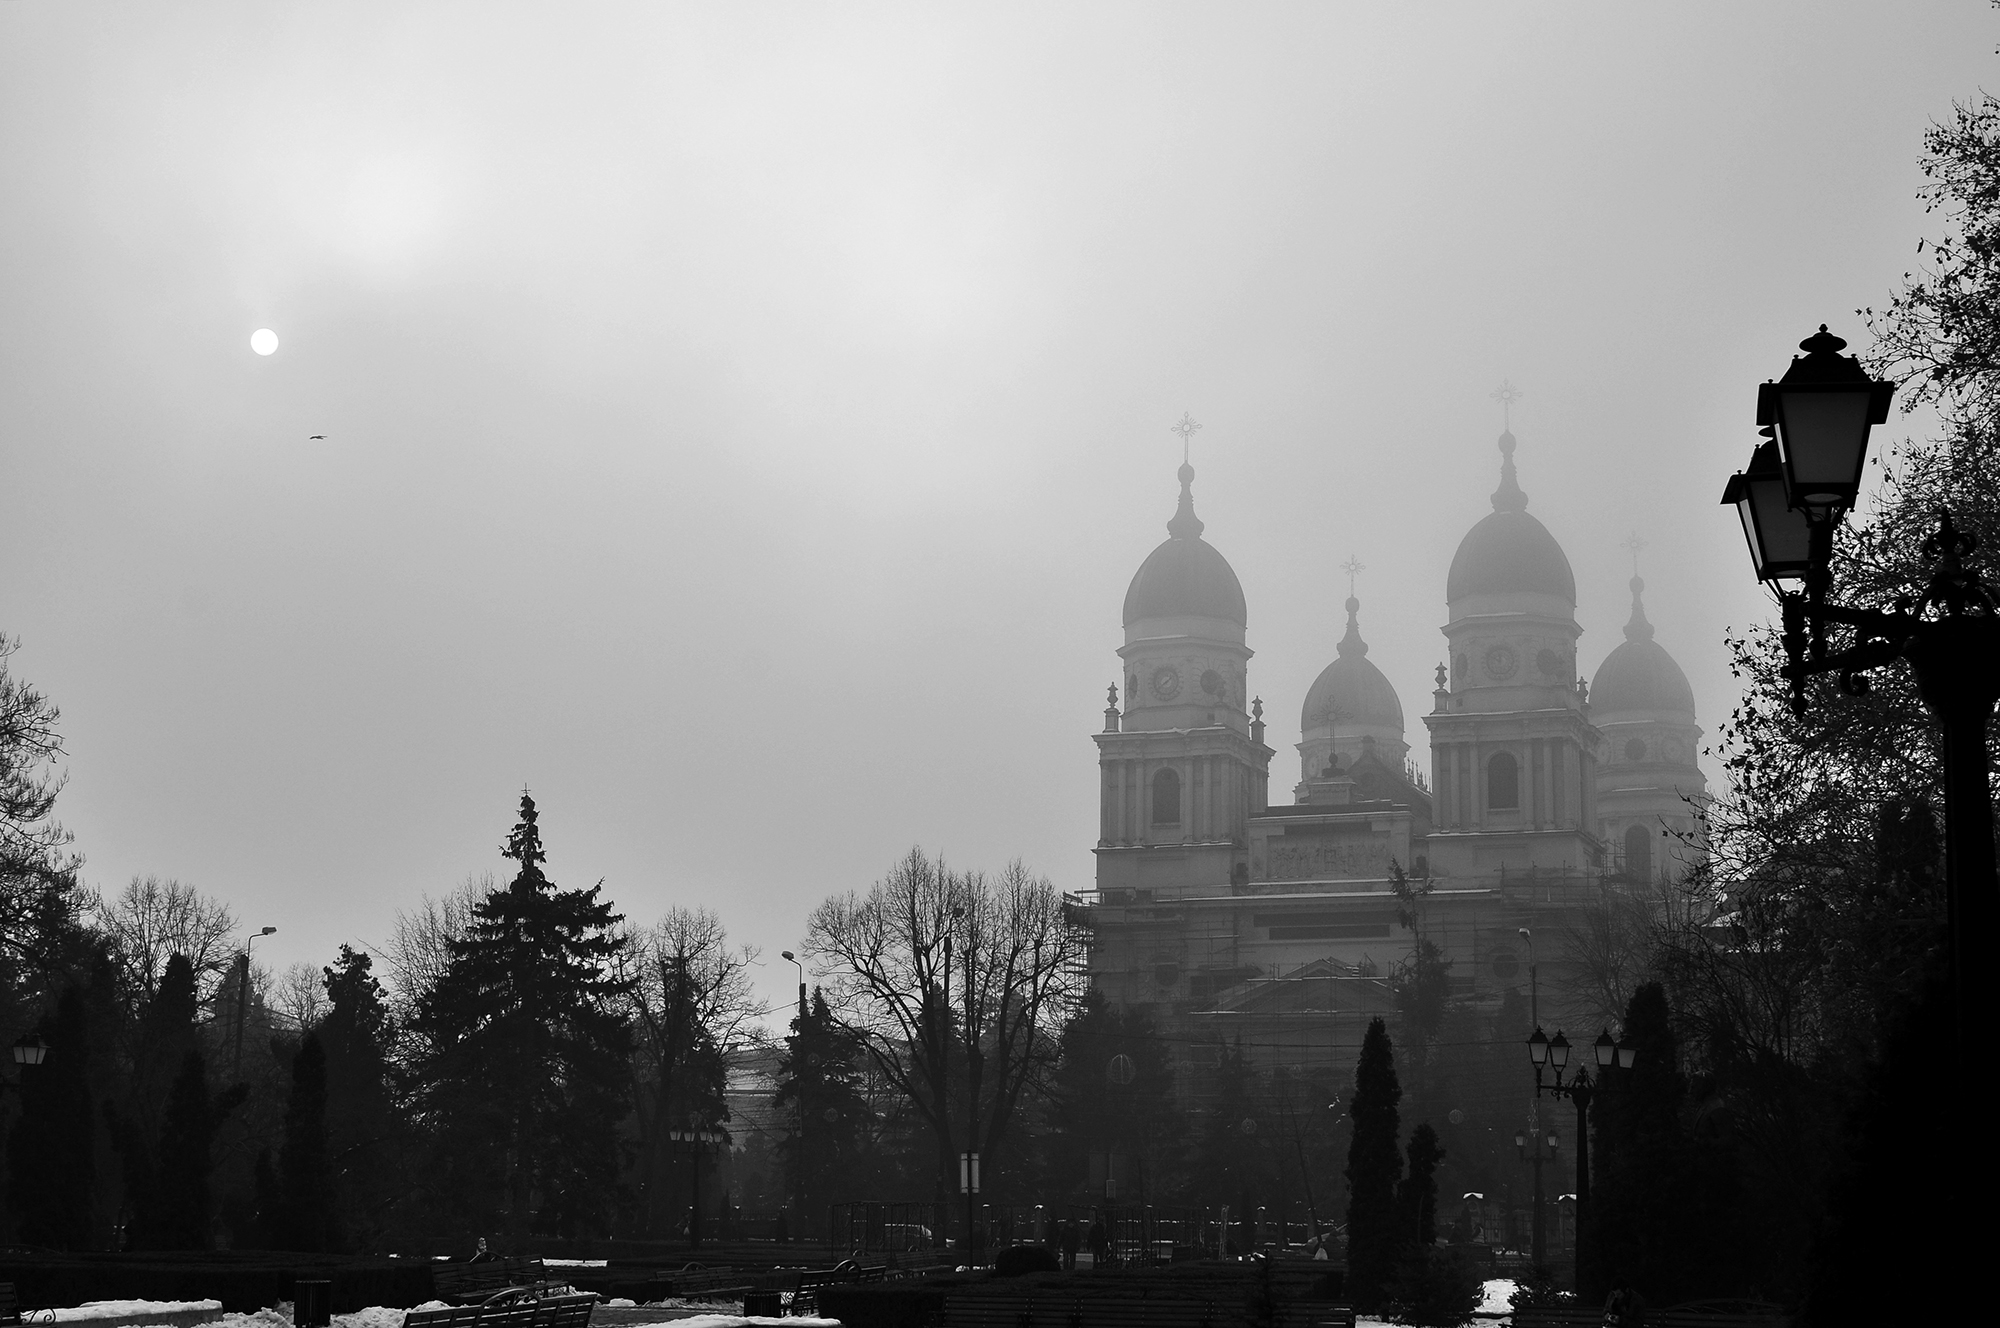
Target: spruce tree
(51, 1155)
(1373, 1169)
(826, 1119)
(305, 1174)
(361, 1125)
(524, 1074)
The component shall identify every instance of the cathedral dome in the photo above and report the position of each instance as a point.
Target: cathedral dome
(1640, 675)
(1509, 551)
(1185, 577)
(1351, 691)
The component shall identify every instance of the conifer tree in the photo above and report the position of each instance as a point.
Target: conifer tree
(1373, 1169)
(360, 1123)
(1138, 1119)
(826, 1119)
(51, 1157)
(523, 1075)
(1417, 1193)
(305, 1174)
(183, 1206)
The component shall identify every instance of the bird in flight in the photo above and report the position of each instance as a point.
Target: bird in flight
(317, 438)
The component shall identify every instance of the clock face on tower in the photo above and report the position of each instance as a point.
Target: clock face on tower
(1214, 684)
(1500, 662)
(1166, 682)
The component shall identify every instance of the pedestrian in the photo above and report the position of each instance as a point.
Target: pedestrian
(1069, 1244)
(480, 1254)
(1100, 1244)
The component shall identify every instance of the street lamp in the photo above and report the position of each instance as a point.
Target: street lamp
(1554, 1054)
(698, 1141)
(1819, 415)
(799, 1089)
(30, 1050)
(1534, 1146)
(243, 995)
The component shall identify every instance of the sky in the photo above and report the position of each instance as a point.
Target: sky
(741, 422)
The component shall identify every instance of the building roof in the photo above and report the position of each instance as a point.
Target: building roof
(1639, 674)
(1351, 691)
(1185, 577)
(1509, 550)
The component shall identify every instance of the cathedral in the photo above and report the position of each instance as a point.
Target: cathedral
(1275, 924)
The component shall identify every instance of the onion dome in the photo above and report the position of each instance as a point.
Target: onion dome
(1351, 692)
(1509, 551)
(1185, 577)
(1639, 675)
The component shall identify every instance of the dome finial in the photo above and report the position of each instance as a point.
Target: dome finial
(1352, 646)
(1508, 497)
(1638, 629)
(1186, 525)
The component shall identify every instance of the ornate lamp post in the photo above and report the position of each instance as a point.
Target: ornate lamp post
(698, 1142)
(1553, 1053)
(243, 994)
(798, 1082)
(1796, 490)
(1536, 1146)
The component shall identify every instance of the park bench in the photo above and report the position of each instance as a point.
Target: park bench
(10, 1308)
(805, 1294)
(698, 1283)
(1718, 1314)
(491, 1279)
(563, 1311)
(1001, 1309)
(1575, 1315)
(458, 1316)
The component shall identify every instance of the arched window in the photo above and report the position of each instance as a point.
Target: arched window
(1503, 782)
(1639, 853)
(1166, 798)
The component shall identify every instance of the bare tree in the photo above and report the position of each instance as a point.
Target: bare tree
(38, 887)
(963, 1044)
(691, 1003)
(153, 920)
(298, 998)
(419, 949)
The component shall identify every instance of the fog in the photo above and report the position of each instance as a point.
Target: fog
(741, 422)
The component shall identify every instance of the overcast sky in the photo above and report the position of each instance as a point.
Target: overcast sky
(741, 422)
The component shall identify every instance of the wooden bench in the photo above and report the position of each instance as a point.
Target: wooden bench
(988, 1309)
(1719, 1314)
(805, 1294)
(564, 1311)
(696, 1283)
(1692, 1314)
(10, 1308)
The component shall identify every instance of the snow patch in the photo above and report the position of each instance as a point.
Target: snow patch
(125, 1309)
(1495, 1299)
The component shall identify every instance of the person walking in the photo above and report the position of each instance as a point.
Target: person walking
(1069, 1244)
(1100, 1243)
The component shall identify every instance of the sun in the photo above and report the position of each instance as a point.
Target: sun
(263, 341)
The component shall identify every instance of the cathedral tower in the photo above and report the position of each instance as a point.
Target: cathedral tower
(1513, 751)
(1184, 765)
(1643, 706)
(1351, 711)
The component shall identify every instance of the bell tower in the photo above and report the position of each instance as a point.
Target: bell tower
(1513, 752)
(1183, 765)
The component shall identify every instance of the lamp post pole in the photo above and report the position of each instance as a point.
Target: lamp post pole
(243, 995)
(1536, 1146)
(1554, 1053)
(799, 1090)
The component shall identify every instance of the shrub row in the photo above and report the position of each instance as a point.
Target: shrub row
(242, 1281)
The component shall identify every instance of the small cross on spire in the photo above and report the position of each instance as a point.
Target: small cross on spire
(1186, 429)
(1634, 543)
(1506, 394)
(1353, 567)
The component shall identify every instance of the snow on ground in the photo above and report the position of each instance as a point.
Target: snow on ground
(576, 1263)
(1495, 1300)
(125, 1309)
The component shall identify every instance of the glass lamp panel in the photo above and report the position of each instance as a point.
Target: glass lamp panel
(1605, 1048)
(1626, 1055)
(1783, 536)
(1825, 439)
(1552, 1138)
(1559, 1050)
(1538, 1047)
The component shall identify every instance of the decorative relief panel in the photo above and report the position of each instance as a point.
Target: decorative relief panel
(1305, 858)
